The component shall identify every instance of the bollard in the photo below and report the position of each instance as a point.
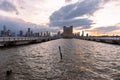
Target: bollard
(60, 53)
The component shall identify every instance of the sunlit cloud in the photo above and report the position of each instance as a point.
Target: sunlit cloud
(102, 15)
(34, 11)
(73, 14)
(108, 16)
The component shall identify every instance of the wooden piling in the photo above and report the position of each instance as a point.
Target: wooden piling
(60, 52)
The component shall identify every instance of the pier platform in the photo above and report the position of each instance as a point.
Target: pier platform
(105, 39)
(12, 41)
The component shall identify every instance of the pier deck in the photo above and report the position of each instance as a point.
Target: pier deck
(105, 39)
(8, 41)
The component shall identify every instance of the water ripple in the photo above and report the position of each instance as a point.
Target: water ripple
(82, 60)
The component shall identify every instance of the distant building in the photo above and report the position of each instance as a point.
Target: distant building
(44, 34)
(87, 34)
(48, 34)
(76, 34)
(28, 34)
(40, 34)
(59, 34)
(21, 33)
(82, 33)
(68, 32)
(4, 32)
(8, 33)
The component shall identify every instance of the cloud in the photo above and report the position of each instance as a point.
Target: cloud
(82, 8)
(107, 29)
(68, 1)
(7, 6)
(76, 22)
(15, 25)
(67, 15)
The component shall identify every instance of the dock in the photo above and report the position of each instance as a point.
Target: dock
(13, 41)
(105, 39)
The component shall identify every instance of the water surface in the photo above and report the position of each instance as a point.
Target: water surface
(82, 60)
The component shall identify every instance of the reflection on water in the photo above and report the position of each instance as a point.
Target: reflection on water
(82, 60)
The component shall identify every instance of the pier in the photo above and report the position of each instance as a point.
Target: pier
(12, 41)
(105, 39)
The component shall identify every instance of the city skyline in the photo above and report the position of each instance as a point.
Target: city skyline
(97, 17)
(6, 32)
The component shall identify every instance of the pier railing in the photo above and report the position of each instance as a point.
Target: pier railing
(11, 41)
(21, 38)
(103, 38)
(106, 39)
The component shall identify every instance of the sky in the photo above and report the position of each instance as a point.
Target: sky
(97, 17)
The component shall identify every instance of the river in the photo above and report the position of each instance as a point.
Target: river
(82, 60)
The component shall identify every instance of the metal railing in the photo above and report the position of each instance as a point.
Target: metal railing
(20, 38)
(104, 38)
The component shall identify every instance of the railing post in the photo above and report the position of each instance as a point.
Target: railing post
(3, 38)
(9, 38)
(14, 39)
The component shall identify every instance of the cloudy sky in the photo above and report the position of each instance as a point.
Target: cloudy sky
(94, 16)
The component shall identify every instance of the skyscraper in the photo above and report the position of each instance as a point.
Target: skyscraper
(82, 33)
(4, 33)
(28, 34)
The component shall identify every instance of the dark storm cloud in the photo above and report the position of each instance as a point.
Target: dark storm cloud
(107, 29)
(72, 11)
(7, 6)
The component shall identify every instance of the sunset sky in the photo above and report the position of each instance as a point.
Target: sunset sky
(94, 16)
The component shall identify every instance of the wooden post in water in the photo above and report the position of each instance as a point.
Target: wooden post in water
(60, 53)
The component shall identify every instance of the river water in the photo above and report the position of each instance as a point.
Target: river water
(82, 60)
